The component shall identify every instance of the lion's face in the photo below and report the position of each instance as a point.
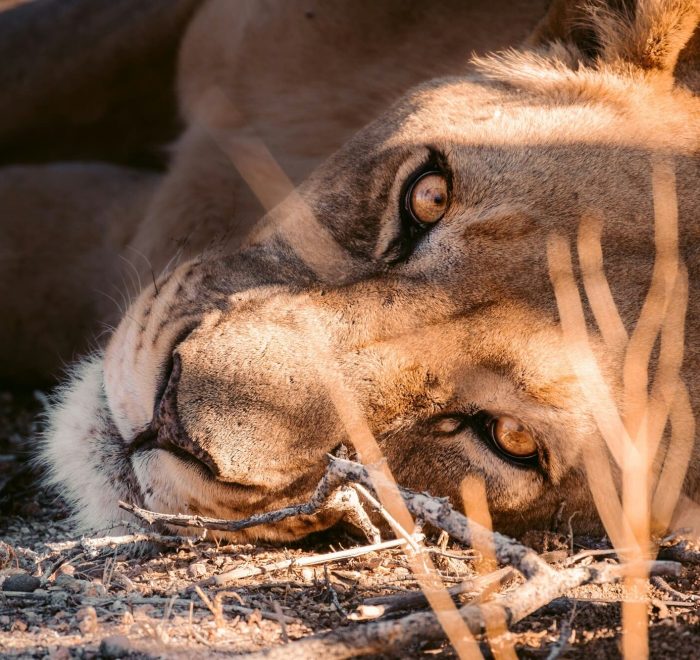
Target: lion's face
(413, 266)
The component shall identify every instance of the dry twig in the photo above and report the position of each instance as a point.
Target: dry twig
(436, 511)
(664, 586)
(382, 605)
(325, 491)
(314, 560)
(395, 635)
(564, 637)
(681, 552)
(93, 546)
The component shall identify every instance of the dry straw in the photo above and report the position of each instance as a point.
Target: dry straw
(632, 425)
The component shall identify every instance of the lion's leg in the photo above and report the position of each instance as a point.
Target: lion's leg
(89, 80)
(203, 203)
(64, 228)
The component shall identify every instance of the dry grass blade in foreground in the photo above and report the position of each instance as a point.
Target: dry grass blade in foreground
(633, 432)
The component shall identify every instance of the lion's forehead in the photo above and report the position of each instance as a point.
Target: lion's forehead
(467, 113)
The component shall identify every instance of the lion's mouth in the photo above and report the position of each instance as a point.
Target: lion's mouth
(166, 431)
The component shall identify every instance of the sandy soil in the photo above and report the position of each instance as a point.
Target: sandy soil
(139, 602)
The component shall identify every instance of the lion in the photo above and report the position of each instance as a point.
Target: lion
(411, 256)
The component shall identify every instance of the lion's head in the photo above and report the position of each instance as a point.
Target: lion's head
(412, 266)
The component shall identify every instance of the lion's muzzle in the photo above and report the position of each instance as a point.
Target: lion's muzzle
(166, 432)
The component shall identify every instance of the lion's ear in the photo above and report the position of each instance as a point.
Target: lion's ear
(566, 23)
(651, 35)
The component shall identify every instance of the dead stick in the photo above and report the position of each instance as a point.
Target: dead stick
(314, 560)
(543, 583)
(664, 586)
(561, 643)
(417, 599)
(682, 552)
(401, 634)
(475, 586)
(331, 481)
(436, 511)
(94, 545)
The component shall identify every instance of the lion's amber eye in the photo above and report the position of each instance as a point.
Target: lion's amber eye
(512, 437)
(427, 197)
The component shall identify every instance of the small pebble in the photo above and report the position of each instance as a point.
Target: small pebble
(87, 620)
(197, 570)
(92, 589)
(68, 583)
(115, 646)
(31, 617)
(59, 653)
(21, 582)
(58, 598)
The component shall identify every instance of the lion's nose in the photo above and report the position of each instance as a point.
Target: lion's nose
(168, 430)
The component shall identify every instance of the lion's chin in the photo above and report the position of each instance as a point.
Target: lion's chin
(172, 484)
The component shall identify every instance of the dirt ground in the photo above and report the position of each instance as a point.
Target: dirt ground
(139, 601)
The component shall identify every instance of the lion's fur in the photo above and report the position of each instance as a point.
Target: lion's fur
(535, 138)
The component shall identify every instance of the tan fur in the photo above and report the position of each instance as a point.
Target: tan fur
(219, 357)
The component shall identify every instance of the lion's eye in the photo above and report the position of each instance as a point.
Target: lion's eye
(427, 197)
(512, 438)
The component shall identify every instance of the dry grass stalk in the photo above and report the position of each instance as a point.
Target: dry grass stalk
(544, 584)
(476, 508)
(393, 523)
(310, 239)
(313, 244)
(314, 560)
(215, 606)
(390, 496)
(270, 185)
(634, 435)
